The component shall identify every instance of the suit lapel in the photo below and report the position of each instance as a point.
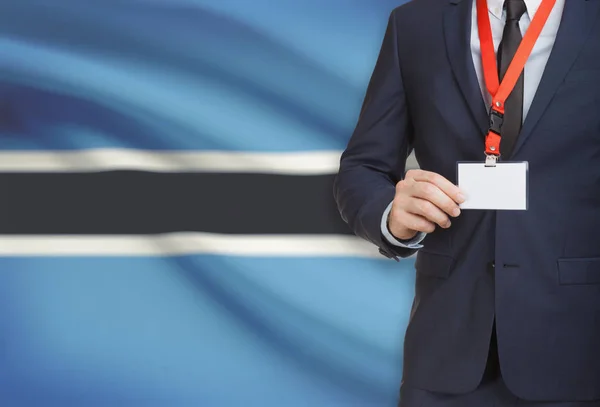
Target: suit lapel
(457, 32)
(578, 17)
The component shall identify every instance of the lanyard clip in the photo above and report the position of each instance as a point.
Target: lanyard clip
(496, 121)
(490, 160)
(492, 140)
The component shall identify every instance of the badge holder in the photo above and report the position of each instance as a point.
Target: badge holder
(494, 185)
(501, 186)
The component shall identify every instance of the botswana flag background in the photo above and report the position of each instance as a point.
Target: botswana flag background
(168, 235)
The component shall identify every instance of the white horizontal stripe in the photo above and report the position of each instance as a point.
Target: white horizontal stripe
(176, 244)
(292, 163)
(286, 163)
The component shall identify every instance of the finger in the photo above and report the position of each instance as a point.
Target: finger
(431, 193)
(442, 183)
(429, 211)
(414, 222)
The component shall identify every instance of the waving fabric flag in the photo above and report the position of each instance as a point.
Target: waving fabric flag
(168, 235)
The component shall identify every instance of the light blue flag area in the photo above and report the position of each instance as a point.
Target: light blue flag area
(186, 74)
(194, 330)
(202, 331)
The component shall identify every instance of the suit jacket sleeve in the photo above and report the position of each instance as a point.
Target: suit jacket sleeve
(375, 158)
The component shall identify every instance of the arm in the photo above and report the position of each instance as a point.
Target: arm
(375, 158)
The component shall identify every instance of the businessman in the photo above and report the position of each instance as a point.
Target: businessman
(507, 302)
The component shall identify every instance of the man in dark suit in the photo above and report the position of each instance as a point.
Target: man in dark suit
(507, 303)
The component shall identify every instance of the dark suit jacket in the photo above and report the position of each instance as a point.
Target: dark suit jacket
(545, 292)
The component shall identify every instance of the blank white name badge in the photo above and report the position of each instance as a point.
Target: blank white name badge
(500, 187)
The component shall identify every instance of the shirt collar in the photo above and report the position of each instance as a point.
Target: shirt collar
(496, 7)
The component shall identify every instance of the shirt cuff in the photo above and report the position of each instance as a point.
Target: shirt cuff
(413, 243)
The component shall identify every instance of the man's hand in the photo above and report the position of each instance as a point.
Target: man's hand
(423, 199)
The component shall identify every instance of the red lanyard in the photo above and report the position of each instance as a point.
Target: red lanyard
(501, 91)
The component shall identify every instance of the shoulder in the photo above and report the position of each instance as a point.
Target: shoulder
(418, 18)
(417, 9)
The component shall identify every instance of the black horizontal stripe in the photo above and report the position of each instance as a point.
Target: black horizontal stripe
(131, 202)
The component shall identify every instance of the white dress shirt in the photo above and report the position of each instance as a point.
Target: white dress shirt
(534, 68)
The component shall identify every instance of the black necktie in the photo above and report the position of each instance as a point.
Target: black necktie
(513, 107)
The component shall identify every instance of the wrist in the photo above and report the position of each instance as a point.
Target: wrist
(402, 235)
